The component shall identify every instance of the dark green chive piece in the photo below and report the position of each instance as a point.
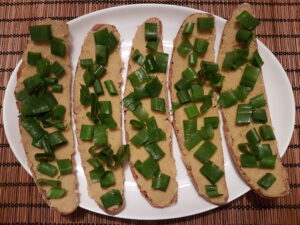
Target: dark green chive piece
(161, 182)
(158, 104)
(244, 148)
(259, 116)
(40, 32)
(86, 132)
(256, 60)
(161, 62)
(33, 58)
(227, 99)
(43, 67)
(200, 46)
(212, 172)
(55, 193)
(189, 74)
(105, 107)
(266, 181)
(209, 67)
(267, 162)
(111, 198)
(248, 161)
(193, 59)
(156, 135)
(241, 92)
(140, 113)
(109, 84)
(96, 174)
(98, 88)
(137, 124)
(212, 191)
(183, 96)
(192, 111)
(197, 92)
(140, 92)
(64, 166)
(152, 45)
(138, 77)
(52, 183)
(247, 20)
(244, 36)
(99, 71)
(213, 121)
(86, 63)
(155, 151)
(147, 168)
(151, 31)
(89, 78)
(266, 133)
(140, 138)
(95, 163)
(151, 123)
(56, 139)
(243, 114)
(258, 101)
(262, 151)
(85, 96)
(207, 104)
(189, 127)
(182, 84)
(205, 152)
(153, 87)
(188, 28)
(100, 135)
(101, 36)
(58, 47)
(194, 139)
(57, 69)
(149, 63)
(112, 42)
(253, 137)
(107, 179)
(185, 47)
(235, 59)
(47, 169)
(57, 88)
(205, 23)
(249, 76)
(101, 54)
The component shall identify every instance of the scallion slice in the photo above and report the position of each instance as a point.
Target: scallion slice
(200, 46)
(156, 135)
(266, 133)
(111, 198)
(57, 69)
(205, 23)
(267, 162)
(189, 74)
(258, 101)
(44, 157)
(141, 113)
(212, 191)
(58, 47)
(262, 151)
(241, 92)
(235, 59)
(161, 62)
(47, 169)
(249, 76)
(33, 128)
(259, 116)
(149, 63)
(185, 47)
(140, 138)
(87, 132)
(161, 182)
(151, 123)
(95, 163)
(151, 32)
(52, 183)
(194, 139)
(55, 193)
(192, 111)
(40, 32)
(243, 114)
(205, 152)
(101, 36)
(50, 80)
(64, 166)
(56, 139)
(101, 54)
(244, 36)
(207, 104)
(33, 58)
(183, 96)
(152, 45)
(154, 150)
(227, 99)
(256, 60)
(107, 179)
(147, 168)
(138, 77)
(96, 174)
(98, 88)
(43, 67)
(158, 104)
(153, 87)
(99, 71)
(248, 161)
(86, 63)
(212, 172)
(189, 127)
(182, 84)
(140, 92)
(105, 107)
(209, 67)
(247, 20)
(188, 28)
(100, 135)
(137, 124)
(213, 121)
(112, 42)
(193, 59)
(253, 137)
(109, 84)
(197, 92)
(266, 181)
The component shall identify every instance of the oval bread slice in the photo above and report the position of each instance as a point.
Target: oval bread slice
(179, 64)
(68, 203)
(156, 198)
(237, 134)
(114, 68)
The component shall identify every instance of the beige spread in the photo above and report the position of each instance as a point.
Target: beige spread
(237, 134)
(179, 64)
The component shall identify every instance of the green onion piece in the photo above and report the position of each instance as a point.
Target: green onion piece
(109, 84)
(85, 96)
(207, 104)
(241, 92)
(152, 45)
(52, 183)
(100, 135)
(141, 113)
(123, 154)
(151, 123)
(33, 128)
(183, 96)
(253, 137)
(212, 191)
(34, 105)
(140, 138)
(153, 86)
(205, 23)
(104, 155)
(101, 54)
(235, 59)
(43, 67)
(188, 28)
(258, 101)
(96, 174)
(40, 32)
(249, 76)
(200, 46)
(189, 74)
(156, 135)
(140, 92)
(86, 63)
(207, 132)
(47, 169)
(244, 36)
(86, 132)
(147, 168)
(33, 58)
(138, 77)
(193, 59)
(263, 150)
(105, 107)
(175, 106)
(158, 104)
(112, 42)
(212, 172)
(192, 111)
(161, 182)
(64, 166)
(136, 55)
(209, 67)
(248, 161)
(267, 162)
(266, 181)
(193, 140)
(244, 148)
(256, 60)
(99, 71)
(49, 99)
(111, 198)
(266, 133)
(95, 163)
(182, 84)
(155, 151)
(57, 69)
(55, 193)
(247, 20)
(50, 80)
(213, 121)
(227, 99)
(189, 127)
(259, 116)
(57, 88)
(149, 63)
(137, 124)
(205, 152)
(216, 81)
(22, 95)
(44, 157)
(185, 47)
(58, 47)
(101, 37)
(129, 100)
(45, 142)
(57, 139)
(98, 88)
(243, 114)
(161, 62)
(108, 120)
(108, 179)
(151, 32)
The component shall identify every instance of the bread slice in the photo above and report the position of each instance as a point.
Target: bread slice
(68, 203)
(114, 68)
(237, 134)
(156, 198)
(179, 64)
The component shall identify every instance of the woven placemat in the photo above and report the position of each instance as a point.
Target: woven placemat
(20, 202)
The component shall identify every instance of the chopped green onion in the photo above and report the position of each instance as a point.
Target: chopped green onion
(209, 67)
(101, 54)
(266, 133)
(44, 157)
(182, 84)
(207, 104)
(52, 183)
(138, 77)
(153, 86)
(262, 151)
(95, 163)
(40, 32)
(205, 23)
(183, 96)
(185, 47)
(212, 172)
(43, 67)
(140, 138)
(136, 55)
(266, 181)
(259, 116)
(188, 28)
(86, 63)
(235, 59)
(151, 32)
(57, 69)
(151, 123)
(200, 46)
(101, 37)
(109, 84)
(57, 88)
(86, 132)
(253, 137)
(129, 101)
(256, 60)
(249, 76)
(50, 80)
(152, 45)
(212, 191)
(155, 151)
(213, 121)
(47, 169)
(33, 58)
(33, 128)
(98, 88)
(247, 20)
(192, 111)
(55, 193)
(99, 71)
(243, 114)
(156, 135)
(189, 127)
(189, 74)
(137, 124)
(85, 96)
(100, 135)
(111, 198)
(96, 174)
(107, 179)
(241, 92)
(22, 95)
(227, 99)
(160, 182)
(205, 152)
(58, 47)
(149, 63)
(193, 59)
(194, 139)
(161, 62)
(158, 104)
(248, 161)
(141, 113)
(207, 132)
(105, 107)
(108, 120)
(244, 36)
(57, 139)
(267, 162)
(244, 148)
(140, 92)
(197, 92)
(112, 42)
(258, 101)
(147, 168)
(64, 166)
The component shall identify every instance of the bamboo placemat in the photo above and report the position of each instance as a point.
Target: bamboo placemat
(20, 202)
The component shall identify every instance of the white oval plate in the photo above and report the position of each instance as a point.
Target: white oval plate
(126, 19)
